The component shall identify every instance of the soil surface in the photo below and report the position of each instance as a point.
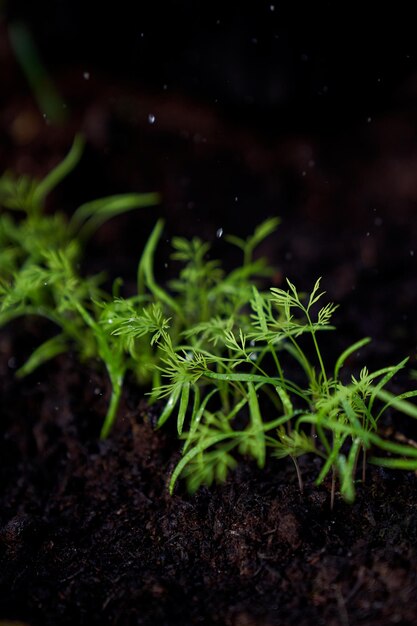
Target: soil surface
(88, 532)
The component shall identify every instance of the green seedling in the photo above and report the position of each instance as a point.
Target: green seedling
(124, 333)
(48, 99)
(241, 370)
(39, 258)
(326, 416)
(150, 326)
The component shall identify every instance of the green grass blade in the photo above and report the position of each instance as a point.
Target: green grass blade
(346, 470)
(59, 172)
(389, 374)
(113, 406)
(91, 215)
(397, 402)
(169, 406)
(330, 461)
(48, 99)
(346, 354)
(285, 401)
(43, 353)
(198, 449)
(185, 395)
(145, 275)
(256, 426)
(351, 415)
(390, 463)
(198, 412)
(395, 448)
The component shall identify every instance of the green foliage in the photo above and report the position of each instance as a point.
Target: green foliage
(325, 416)
(217, 353)
(152, 325)
(39, 259)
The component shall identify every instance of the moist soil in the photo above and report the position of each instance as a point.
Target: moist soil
(88, 532)
(90, 535)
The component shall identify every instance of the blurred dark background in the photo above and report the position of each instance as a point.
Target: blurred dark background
(283, 65)
(236, 112)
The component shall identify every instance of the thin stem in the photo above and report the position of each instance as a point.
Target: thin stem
(333, 489)
(316, 346)
(62, 170)
(363, 465)
(299, 476)
(112, 410)
(301, 358)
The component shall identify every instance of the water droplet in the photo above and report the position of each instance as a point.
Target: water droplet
(86, 75)
(151, 118)
(236, 198)
(219, 233)
(411, 252)
(165, 87)
(45, 284)
(110, 321)
(368, 233)
(303, 173)
(272, 7)
(369, 120)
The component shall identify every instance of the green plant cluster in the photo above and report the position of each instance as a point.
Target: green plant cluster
(241, 369)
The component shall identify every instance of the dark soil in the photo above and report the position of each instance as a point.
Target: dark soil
(88, 532)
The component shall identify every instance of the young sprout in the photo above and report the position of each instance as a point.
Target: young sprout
(241, 369)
